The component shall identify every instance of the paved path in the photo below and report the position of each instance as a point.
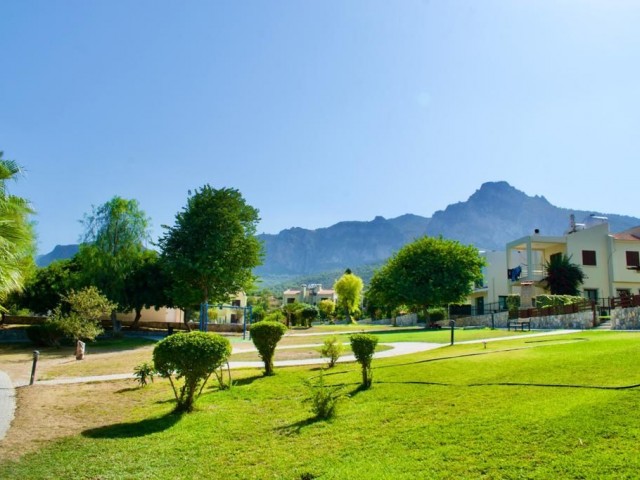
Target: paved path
(7, 390)
(7, 403)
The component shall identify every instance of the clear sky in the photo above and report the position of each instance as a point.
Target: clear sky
(318, 111)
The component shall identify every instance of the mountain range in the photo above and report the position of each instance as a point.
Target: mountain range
(494, 215)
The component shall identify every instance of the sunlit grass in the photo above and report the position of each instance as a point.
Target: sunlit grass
(540, 408)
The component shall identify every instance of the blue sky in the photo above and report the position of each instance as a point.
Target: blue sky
(318, 111)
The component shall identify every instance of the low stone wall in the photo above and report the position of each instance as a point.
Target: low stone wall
(410, 320)
(625, 318)
(499, 320)
(579, 320)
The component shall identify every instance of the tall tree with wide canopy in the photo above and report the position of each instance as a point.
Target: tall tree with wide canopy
(114, 243)
(428, 272)
(211, 250)
(17, 239)
(563, 276)
(349, 290)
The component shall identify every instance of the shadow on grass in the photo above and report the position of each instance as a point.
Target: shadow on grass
(295, 428)
(128, 389)
(134, 429)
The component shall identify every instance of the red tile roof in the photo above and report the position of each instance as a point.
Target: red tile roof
(631, 234)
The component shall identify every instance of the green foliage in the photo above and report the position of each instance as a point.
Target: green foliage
(428, 272)
(144, 373)
(47, 334)
(437, 314)
(17, 239)
(308, 314)
(349, 290)
(265, 336)
(211, 249)
(364, 346)
(332, 349)
(563, 276)
(115, 235)
(44, 290)
(513, 302)
(77, 317)
(275, 316)
(557, 300)
(323, 398)
(326, 308)
(192, 357)
(293, 311)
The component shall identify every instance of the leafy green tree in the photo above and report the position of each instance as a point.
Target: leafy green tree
(44, 290)
(17, 239)
(349, 290)
(563, 276)
(265, 336)
(115, 236)
(78, 316)
(428, 272)
(327, 308)
(192, 357)
(146, 286)
(211, 249)
(292, 312)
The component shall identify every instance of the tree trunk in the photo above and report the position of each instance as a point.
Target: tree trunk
(114, 322)
(136, 321)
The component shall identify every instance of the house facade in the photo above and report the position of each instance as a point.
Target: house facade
(610, 262)
(312, 294)
(491, 293)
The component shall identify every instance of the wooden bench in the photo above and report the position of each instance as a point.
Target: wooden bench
(518, 323)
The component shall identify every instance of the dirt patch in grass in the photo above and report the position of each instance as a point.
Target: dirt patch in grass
(47, 413)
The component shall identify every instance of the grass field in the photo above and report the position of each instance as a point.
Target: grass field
(546, 407)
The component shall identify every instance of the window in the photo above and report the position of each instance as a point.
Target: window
(588, 257)
(291, 300)
(623, 292)
(553, 256)
(235, 303)
(633, 259)
(591, 294)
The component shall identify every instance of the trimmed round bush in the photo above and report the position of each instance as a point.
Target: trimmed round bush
(193, 357)
(364, 346)
(265, 336)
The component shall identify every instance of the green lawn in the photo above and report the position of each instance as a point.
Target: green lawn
(552, 407)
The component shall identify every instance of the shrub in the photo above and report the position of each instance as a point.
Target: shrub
(543, 301)
(143, 373)
(73, 326)
(193, 357)
(265, 336)
(45, 335)
(364, 346)
(275, 316)
(332, 349)
(436, 314)
(324, 398)
(513, 302)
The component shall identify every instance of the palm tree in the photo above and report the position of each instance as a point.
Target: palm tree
(563, 277)
(17, 246)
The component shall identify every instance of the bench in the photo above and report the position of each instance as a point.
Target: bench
(518, 323)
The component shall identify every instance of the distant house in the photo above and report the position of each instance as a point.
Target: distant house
(217, 312)
(312, 294)
(611, 262)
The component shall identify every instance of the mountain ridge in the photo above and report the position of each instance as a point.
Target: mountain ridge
(493, 215)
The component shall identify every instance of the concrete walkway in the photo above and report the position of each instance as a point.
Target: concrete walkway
(7, 403)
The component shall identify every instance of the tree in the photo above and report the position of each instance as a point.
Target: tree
(146, 286)
(115, 236)
(193, 357)
(428, 272)
(44, 290)
(327, 308)
(349, 290)
(78, 315)
(563, 276)
(17, 239)
(211, 250)
(265, 336)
